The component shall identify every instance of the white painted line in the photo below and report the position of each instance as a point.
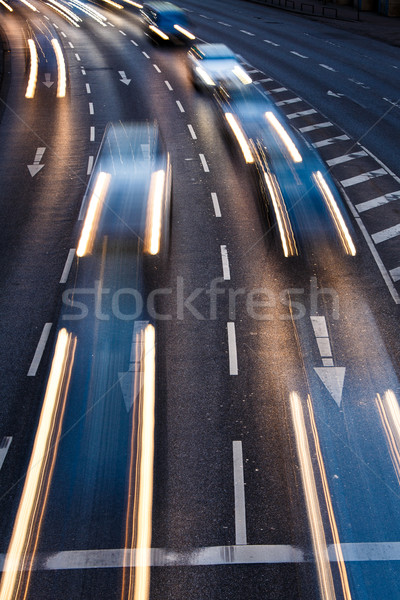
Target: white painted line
(272, 43)
(233, 362)
(192, 132)
(4, 447)
(205, 17)
(123, 32)
(204, 163)
(225, 264)
(327, 362)
(315, 126)
(83, 71)
(169, 86)
(157, 68)
(92, 134)
(345, 158)
(145, 54)
(329, 141)
(39, 350)
(217, 209)
(88, 90)
(78, 58)
(265, 80)
(302, 113)
(224, 24)
(298, 54)
(386, 234)
(56, 26)
(363, 177)
(68, 264)
(395, 274)
(63, 34)
(71, 45)
(90, 165)
(110, 24)
(327, 67)
(179, 105)
(324, 346)
(91, 108)
(134, 43)
(279, 90)
(247, 32)
(290, 101)
(253, 71)
(240, 500)
(379, 201)
(319, 326)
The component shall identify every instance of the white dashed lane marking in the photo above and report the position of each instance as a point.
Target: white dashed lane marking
(68, 264)
(327, 67)
(90, 165)
(225, 264)
(134, 43)
(157, 68)
(290, 101)
(302, 113)
(192, 132)
(329, 141)
(298, 54)
(271, 43)
(363, 177)
(217, 209)
(386, 234)
(204, 163)
(224, 24)
(233, 361)
(169, 86)
(91, 108)
(4, 448)
(78, 58)
(145, 54)
(379, 201)
(345, 158)
(88, 90)
(39, 350)
(315, 126)
(92, 133)
(179, 105)
(247, 32)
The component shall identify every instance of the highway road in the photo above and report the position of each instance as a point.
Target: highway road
(269, 465)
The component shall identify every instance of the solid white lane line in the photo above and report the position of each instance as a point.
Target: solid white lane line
(145, 54)
(78, 58)
(279, 90)
(327, 67)
(272, 43)
(233, 361)
(302, 113)
(88, 90)
(123, 32)
(379, 201)
(157, 68)
(224, 24)
(319, 326)
(179, 105)
(240, 501)
(192, 132)
(324, 346)
(92, 134)
(345, 158)
(247, 32)
(39, 350)
(329, 141)
(225, 263)
(386, 234)
(217, 209)
(395, 274)
(4, 447)
(68, 264)
(363, 177)
(91, 108)
(169, 86)
(134, 43)
(90, 165)
(298, 54)
(290, 101)
(315, 126)
(204, 163)
(71, 45)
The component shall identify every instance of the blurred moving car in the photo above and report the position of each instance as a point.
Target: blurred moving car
(210, 64)
(165, 22)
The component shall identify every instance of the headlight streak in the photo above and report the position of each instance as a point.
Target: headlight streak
(159, 32)
(91, 12)
(137, 558)
(154, 216)
(283, 134)
(65, 12)
(6, 5)
(282, 216)
(242, 75)
(237, 130)
(93, 214)
(29, 5)
(389, 413)
(312, 503)
(136, 4)
(62, 72)
(205, 76)
(185, 32)
(33, 72)
(332, 520)
(335, 213)
(23, 545)
(114, 4)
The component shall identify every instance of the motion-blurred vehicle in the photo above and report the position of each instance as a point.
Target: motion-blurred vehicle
(299, 195)
(166, 22)
(211, 64)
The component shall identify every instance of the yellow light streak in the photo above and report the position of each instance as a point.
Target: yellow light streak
(389, 412)
(312, 503)
(332, 520)
(242, 75)
(22, 548)
(91, 12)
(159, 32)
(134, 3)
(114, 4)
(282, 217)
(33, 73)
(335, 213)
(6, 5)
(244, 146)
(205, 76)
(93, 214)
(29, 5)
(64, 11)
(185, 32)
(154, 212)
(283, 134)
(62, 72)
(64, 15)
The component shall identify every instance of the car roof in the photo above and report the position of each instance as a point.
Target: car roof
(214, 51)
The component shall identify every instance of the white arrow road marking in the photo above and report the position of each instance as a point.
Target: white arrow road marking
(4, 446)
(124, 78)
(36, 167)
(333, 380)
(48, 83)
(130, 380)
